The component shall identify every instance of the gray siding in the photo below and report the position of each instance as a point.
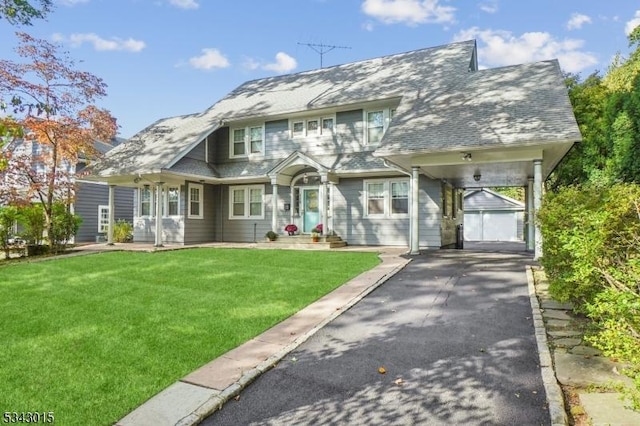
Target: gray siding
(197, 153)
(244, 230)
(351, 225)
(200, 230)
(91, 195)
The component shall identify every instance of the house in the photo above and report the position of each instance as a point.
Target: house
(90, 199)
(491, 216)
(378, 151)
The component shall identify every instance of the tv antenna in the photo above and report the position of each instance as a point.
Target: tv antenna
(321, 49)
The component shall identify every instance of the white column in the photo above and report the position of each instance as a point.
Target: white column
(323, 205)
(112, 214)
(158, 242)
(537, 203)
(415, 211)
(331, 190)
(530, 229)
(274, 208)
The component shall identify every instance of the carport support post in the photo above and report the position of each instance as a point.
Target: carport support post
(530, 218)
(274, 208)
(415, 211)
(158, 214)
(112, 214)
(537, 203)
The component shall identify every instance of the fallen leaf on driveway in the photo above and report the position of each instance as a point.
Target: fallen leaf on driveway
(399, 381)
(382, 370)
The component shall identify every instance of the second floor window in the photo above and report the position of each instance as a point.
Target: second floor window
(247, 140)
(316, 126)
(376, 123)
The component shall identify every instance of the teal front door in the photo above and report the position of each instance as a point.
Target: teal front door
(310, 209)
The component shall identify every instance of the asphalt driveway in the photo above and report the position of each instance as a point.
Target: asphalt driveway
(454, 334)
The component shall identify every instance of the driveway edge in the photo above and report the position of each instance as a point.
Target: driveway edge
(215, 399)
(555, 396)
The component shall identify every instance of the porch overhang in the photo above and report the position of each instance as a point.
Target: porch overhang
(485, 166)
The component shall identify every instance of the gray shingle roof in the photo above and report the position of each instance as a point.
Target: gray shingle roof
(516, 105)
(162, 144)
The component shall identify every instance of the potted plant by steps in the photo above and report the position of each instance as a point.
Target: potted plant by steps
(271, 236)
(291, 229)
(316, 232)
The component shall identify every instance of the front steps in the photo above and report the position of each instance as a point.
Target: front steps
(303, 242)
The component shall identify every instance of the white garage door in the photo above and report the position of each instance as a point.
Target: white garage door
(490, 226)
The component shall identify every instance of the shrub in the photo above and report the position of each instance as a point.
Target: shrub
(122, 231)
(65, 226)
(271, 236)
(32, 219)
(8, 218)
(591, 240)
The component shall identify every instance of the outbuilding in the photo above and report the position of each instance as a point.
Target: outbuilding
(491, 216)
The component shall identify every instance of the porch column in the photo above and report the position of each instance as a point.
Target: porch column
(537, 203)
(323, 205)
(330, 220)
(112, 214)
(530, 229)
(274, 208)
(158, 242)
(415, 211)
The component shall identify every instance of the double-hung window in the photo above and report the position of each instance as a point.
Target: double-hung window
(146, 201)
(103, 219)
(196, 202)
(386, 198)
(247, 140)
(173, 200)
(376, 123)
(246, 202)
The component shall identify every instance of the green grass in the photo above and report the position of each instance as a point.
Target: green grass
(92, 337)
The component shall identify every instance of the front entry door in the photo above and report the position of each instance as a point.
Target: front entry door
(310, 209)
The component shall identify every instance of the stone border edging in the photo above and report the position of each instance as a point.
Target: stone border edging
(217, 401)
(555, 396)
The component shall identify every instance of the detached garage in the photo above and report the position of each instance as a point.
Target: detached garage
(489, 216)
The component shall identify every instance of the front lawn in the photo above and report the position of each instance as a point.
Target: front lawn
(92, 337)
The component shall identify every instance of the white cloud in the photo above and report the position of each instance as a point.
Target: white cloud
(500, 48)
(634, 22)
(284, 63)
(71, 2)
(577, 20)
(410, 12)
(101, 44)
(489, 6)
(210, 58)
(185, 4)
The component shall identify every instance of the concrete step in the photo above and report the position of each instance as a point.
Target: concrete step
(303, 242)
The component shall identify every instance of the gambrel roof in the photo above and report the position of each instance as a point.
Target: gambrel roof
(445, 104)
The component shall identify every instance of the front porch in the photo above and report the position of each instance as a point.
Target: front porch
(303, 242)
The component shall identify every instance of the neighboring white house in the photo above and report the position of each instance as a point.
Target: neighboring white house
(378, 151)
(490, 216)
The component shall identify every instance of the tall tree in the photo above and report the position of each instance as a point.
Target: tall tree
(21, 12)
(54, 105)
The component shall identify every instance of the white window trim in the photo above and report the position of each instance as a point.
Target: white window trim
(151, 202)
(103, 227)
(321, 131)
(247, 141)
(200, 189)
(387, 198)
(386, 119)
(247, 207)
(166, 201)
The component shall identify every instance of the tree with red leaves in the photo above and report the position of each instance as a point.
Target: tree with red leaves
(54, 121)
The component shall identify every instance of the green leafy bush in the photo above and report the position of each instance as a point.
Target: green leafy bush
(591, 246)
(8, 217)
(32, 219)
(122, 231)
(65, 226)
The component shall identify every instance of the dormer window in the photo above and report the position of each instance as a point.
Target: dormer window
(377, 122)
(246, 141)
(310, 127)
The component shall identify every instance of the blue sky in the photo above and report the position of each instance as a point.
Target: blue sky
(162, 58)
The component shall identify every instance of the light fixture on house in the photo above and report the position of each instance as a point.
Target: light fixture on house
(466, 156)
(137, 179)
(305, 178)
(477, 176)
